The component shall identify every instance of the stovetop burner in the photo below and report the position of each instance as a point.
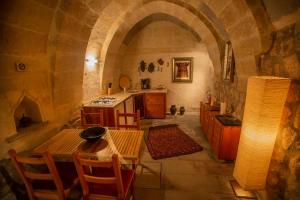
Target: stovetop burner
(105, 100)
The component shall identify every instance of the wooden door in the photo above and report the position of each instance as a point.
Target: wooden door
(155, 105)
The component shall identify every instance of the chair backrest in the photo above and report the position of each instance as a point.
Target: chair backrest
(136, 120)
(90, 119)
(22, 164)
(87, 172)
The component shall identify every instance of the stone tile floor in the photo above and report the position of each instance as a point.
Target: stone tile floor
(194, 176)
(189, 177)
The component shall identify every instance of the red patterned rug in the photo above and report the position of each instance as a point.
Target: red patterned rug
(168, 141)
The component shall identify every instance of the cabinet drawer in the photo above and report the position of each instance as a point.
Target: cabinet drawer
(154, 99)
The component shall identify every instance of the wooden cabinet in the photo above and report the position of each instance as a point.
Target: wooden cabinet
(226, 139)
(108, 114)
(210, 124)
(207, 114)
(155, 105)
(223, 133)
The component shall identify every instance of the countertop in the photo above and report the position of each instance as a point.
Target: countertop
(228, 121)
(122, 96)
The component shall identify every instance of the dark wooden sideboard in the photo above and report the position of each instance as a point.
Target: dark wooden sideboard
(222, 132)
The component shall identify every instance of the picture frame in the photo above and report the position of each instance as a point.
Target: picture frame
(228, 63)
(182, 69)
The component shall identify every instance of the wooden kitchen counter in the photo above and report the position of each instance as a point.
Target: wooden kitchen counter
(123, 96)
(154, 101)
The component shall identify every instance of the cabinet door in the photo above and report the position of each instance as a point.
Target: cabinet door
(108, 114)
(211, 125)
(229, 142)
(201, 113)
(155, 105)
(139, 104)
(205, 122)
(215, 142)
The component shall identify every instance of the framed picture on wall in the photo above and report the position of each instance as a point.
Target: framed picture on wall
(228, 63)
(182, 69)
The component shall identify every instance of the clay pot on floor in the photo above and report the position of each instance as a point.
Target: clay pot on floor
(173, 109)
(181, 110)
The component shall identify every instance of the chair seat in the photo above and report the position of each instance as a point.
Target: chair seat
(110, 189)
(68, 174)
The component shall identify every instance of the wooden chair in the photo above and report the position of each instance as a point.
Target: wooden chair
(41, 177)
(90, 119)
(136, 120)
(104, 179)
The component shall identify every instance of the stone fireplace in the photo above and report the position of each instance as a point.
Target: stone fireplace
(27, 114)
(26, 120)
(26, 117)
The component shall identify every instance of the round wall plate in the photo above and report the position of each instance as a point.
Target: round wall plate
(124, 82)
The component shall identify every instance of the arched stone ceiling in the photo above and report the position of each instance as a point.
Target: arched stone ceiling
(204, 13)
(121, 27)
(157, 17)
(231, 19)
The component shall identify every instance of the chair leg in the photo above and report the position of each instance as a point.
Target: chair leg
(133, 188)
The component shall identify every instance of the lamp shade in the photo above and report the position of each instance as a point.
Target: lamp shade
(265, 99)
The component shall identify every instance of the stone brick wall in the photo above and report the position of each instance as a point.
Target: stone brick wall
(284, 172)
(282, 59)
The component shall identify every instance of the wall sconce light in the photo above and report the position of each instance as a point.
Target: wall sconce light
(265, 99)
(91, 61)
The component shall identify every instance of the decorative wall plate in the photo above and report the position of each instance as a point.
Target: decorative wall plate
(124, 82)
(142, 66)
(151, 67)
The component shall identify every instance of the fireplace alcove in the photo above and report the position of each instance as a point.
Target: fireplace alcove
(27, 118)
(27, 114)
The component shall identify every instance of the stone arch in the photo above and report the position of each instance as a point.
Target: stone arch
(245, 32)
(121, 27)
(216, 21)
(168, 8)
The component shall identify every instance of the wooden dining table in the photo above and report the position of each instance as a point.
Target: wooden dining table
(126, 143)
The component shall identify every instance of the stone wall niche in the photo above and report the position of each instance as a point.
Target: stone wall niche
(27, 114)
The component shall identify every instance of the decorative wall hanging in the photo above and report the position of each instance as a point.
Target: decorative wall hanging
(160, 61)
(228, 63)
(182, 69)
(145, 83)
(142, 66)
(151, 67)
(20, 67)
